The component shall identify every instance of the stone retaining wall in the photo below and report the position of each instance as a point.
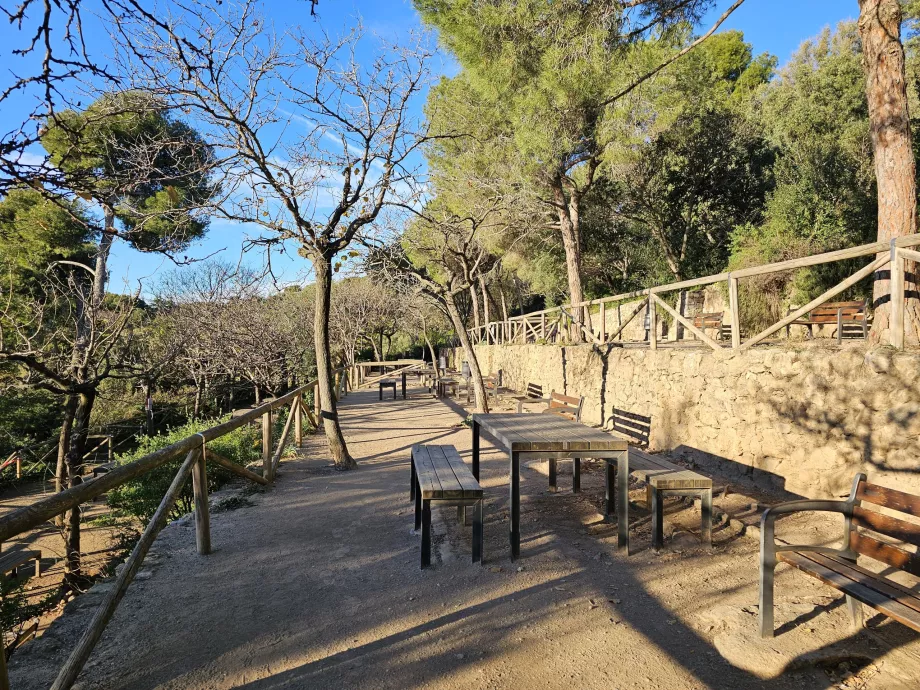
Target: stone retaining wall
(805, 419)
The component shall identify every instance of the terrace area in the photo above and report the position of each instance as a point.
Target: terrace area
(315, 582)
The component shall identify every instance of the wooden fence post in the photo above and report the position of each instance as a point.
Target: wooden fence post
(4, 673)
(297, 410)
(735, 311)
(896, 323)
(267, 445)
(603, 321)
(202, 514)
(543, 326)
(652, 324)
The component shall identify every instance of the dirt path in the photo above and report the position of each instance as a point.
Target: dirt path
(317, 584)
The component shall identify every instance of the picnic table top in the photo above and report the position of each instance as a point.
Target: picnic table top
(546, 432)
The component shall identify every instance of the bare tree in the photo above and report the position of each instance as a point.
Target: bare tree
(311, 142)
(441, 254)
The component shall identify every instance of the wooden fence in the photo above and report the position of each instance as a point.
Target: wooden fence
(559, 324)
(197, 456)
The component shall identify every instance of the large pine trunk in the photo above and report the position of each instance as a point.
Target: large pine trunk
(567, 212)
(895, 166)
(322, 267)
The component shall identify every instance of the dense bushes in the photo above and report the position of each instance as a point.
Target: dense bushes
(140, 498)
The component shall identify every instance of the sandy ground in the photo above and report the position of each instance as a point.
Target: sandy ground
(317, 584)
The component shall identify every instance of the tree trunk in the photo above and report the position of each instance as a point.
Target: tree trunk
(895, 166)
(485, 299)
(434, 358)
(567, 211)
(482, 402)
(322, 267)
(474, 301)
(61, 474)
(73, 577)
(197, 407)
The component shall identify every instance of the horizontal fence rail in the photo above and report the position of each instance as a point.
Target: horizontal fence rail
(197, 455)
(588, 321)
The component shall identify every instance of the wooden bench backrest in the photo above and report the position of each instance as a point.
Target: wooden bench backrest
(713, 320)
(534, 390)
(867, 523)
(827, 313)
(635, 427)
(565, 405)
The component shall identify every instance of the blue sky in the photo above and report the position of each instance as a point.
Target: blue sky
(774, 26)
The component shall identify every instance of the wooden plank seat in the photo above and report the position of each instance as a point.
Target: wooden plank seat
(387, 383)
(11, 561)
(663, 478)
(438, 473)
(868, 533)
(840, 313)
(710, 320)
(532, 394)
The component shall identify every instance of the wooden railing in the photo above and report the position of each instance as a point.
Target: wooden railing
(197, 456)
(361, 377)
(559, 324)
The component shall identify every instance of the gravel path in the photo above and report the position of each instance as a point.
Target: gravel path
(317, 585)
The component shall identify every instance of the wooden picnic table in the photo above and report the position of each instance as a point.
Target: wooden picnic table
(551, 437)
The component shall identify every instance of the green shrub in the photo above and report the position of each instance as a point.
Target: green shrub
(141, 497)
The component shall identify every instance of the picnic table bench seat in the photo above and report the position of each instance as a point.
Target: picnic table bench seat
(438, 473)
(387, 383)
(663, 478)
(11, 561)
(866, 532)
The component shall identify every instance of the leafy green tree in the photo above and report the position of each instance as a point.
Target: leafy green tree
(147, 173)
(545, 76)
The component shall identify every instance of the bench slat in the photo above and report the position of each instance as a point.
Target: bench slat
(886, 524)
(863, 590)
(888, 498)
(664, 475)
(886, 553)
(428, 481)
(14, 559)
(450, 487)
(877, 582)
(465, 478)
(442, 474)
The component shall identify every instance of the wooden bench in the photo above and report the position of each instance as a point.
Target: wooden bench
(493, 384)
(866, 532)
(565, 406)
(445, 385)
(663, 478)
(636, 428)
(711, 320)
(532, 394)
(10, 562)
(438, 473)
(388, 383)
(840, 313)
